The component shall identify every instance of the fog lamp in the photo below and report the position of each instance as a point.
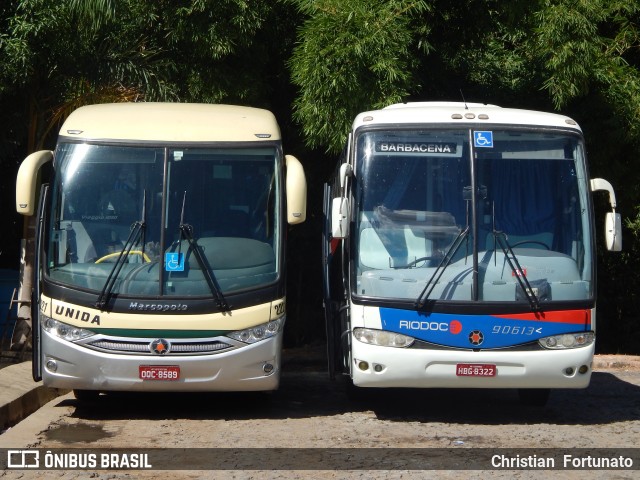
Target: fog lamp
(51, 365)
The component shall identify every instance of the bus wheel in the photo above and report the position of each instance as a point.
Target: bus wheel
(355, 394)
(536, 397)
(86, 395)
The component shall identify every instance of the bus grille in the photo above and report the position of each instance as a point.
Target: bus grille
(142, 348)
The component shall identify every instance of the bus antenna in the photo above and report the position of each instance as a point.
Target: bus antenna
(463, 99)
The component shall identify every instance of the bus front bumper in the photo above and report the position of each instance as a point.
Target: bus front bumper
(251, 367)
(376, 366)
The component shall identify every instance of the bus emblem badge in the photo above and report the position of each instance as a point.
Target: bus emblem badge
(476, 337)
(160, 346)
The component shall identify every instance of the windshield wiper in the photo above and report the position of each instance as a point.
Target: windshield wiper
(136, 232)
(512, 260)
(444, 263)
(186, 232)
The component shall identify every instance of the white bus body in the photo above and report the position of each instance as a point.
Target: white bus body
(459, 250)
(161, 248)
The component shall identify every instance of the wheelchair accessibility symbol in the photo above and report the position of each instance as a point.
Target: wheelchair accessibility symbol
(174, 262)
(483, 139)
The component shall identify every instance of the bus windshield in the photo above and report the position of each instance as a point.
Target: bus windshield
(463, 215)
(164, 221)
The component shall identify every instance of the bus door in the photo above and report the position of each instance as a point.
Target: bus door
(327, 256)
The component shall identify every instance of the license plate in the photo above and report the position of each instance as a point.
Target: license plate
(475, 370)
(159, 372)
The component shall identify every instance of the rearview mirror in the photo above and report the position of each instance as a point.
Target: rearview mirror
(613, 223)
(296, 185)
(340, 217)
(26, 182)
(613, 231)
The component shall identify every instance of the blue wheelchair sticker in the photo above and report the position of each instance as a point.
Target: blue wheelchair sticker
(174, 262)
(483, 139)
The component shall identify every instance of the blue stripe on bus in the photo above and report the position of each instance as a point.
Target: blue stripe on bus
(479, 331)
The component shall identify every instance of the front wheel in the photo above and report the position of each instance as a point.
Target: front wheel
(535, 397)
(356, 394)
(86, 395)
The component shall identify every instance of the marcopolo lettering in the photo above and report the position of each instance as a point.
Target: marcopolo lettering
(417, 147)
(424, 325)
(157, 307)
(77, 314)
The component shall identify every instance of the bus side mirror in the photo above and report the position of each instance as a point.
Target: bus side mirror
(613, 222)
(27, 181)
(340, 214)
(296, 191)
(345, 171)
(340, 217)
(613, 231)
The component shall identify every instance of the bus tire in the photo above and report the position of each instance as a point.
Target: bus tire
(86, 395)
(535, 397)
(355, 394)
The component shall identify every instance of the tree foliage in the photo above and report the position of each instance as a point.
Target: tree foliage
(592, 45)
(60, 55)
(320, 62)
(352, 54)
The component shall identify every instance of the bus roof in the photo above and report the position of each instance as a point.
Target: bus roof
(170, 122)
(459, 112)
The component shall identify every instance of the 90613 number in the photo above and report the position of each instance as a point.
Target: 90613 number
(515, 330)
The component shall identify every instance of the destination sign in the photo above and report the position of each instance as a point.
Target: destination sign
(420, 148)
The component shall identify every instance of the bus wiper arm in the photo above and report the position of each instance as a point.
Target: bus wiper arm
(512, 260)
(444, 263)
(136, 232)
(186, 232)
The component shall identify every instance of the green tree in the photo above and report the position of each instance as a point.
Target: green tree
(352, 55)
(58, 56)
(578, 56)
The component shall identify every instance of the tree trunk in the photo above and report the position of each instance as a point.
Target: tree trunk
(21, 338)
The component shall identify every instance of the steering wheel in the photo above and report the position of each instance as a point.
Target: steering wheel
(145, 257)
(537, 242)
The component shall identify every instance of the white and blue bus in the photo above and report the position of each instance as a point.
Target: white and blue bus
(160, 248)
(459, 251)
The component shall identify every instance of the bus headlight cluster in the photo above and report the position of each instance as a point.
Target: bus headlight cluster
(568, 340)
(65, 331)
(382, 338)
(259, 332)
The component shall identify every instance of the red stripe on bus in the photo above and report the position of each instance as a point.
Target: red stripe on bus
(579, 317)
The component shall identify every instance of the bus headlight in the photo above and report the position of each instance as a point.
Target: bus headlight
(382, 338)
(567, 340)
(65, 331)
(259, 332)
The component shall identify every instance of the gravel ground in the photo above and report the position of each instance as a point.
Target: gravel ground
(324, 433)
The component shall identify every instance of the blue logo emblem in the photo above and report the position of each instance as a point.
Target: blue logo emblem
(483, 139)
(174, 262)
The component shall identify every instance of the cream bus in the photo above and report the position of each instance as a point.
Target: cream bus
(161, 236)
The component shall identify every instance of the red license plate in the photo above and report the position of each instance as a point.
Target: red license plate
(475, 370)
(159, 372)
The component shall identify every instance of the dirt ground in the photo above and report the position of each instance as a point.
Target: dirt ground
(309, 429)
